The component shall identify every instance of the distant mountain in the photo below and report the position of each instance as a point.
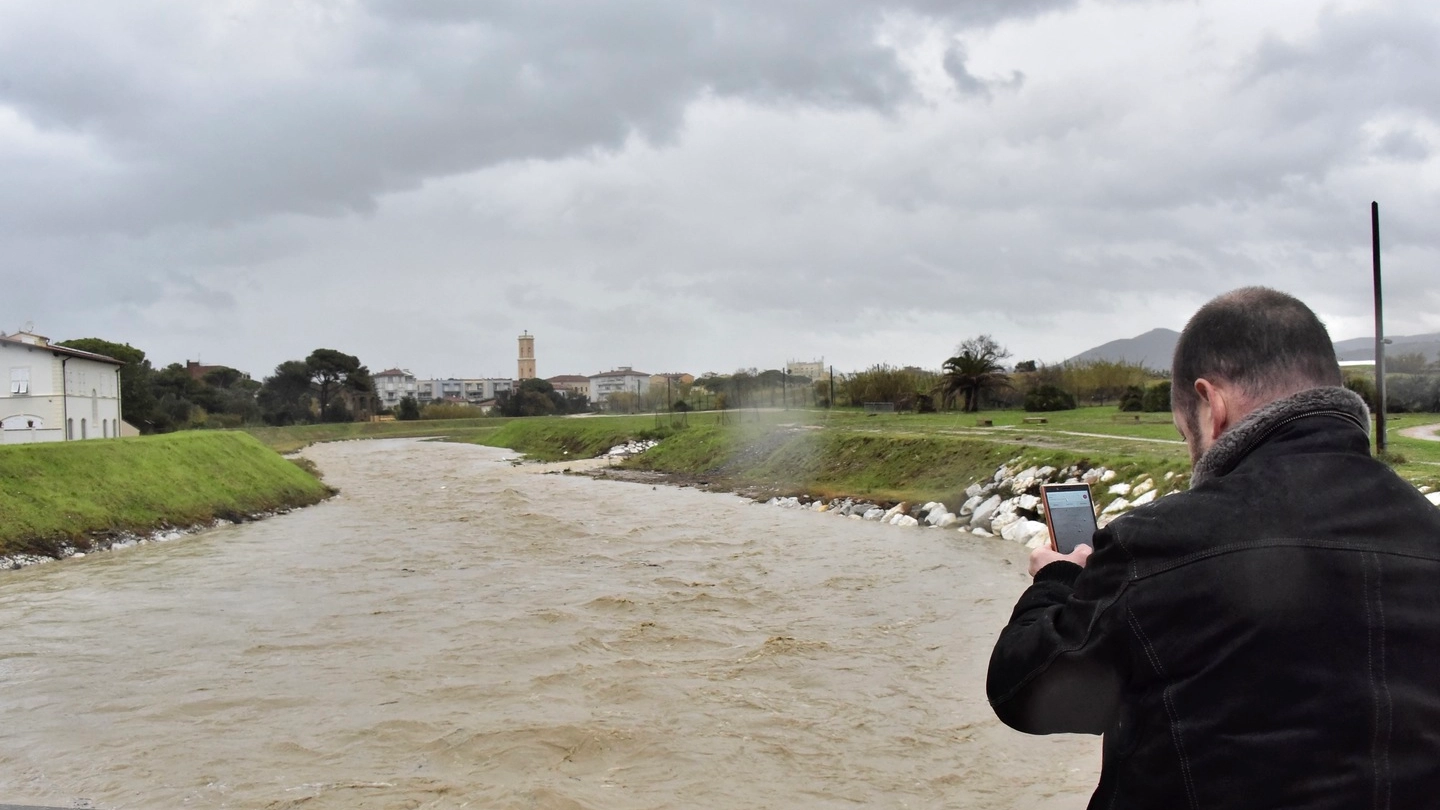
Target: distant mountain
(1152, 350)
(1364, 348)
(1155, 348)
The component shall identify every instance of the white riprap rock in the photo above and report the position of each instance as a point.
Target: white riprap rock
(874, 513)
(968, 508)
(1143, 487)
(981, 518)
(946, 521)
(1027, 502)
(897, 509)
(1001, 521)
(905, 520)
(1121, 488)
(934, 516)
(1116, 506)
(1144, 499)
(1107, 476)
(1434, 498)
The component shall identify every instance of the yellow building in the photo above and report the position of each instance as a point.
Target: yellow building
(571, 384)
(526, 370)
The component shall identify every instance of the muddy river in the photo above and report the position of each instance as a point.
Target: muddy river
(453, 631)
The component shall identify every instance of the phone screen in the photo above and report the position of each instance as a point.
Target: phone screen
(1071, 515)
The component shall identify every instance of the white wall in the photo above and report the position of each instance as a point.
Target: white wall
(87, 405)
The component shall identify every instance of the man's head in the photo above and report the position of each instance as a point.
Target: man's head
(1241, 351)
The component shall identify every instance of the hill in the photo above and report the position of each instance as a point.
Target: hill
(1364, 348)
(1152, 349)
(1155, 348)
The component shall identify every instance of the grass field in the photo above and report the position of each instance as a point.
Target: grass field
(294, 437)
(57, 494)
(888, 456)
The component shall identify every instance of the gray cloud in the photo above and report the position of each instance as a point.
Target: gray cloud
(699, 185)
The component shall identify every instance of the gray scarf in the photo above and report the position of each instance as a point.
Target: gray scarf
(1239, 440)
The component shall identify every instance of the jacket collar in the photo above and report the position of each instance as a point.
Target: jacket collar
(1238, 441)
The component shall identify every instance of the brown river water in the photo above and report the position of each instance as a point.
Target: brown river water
(452, 631)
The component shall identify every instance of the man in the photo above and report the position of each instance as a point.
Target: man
(1268, 639)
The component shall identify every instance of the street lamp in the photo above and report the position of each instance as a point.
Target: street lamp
(1380, 340)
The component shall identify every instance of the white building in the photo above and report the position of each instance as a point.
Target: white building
(393, 385)
(813, 369)
(56, 394)
(623, 379)
(473, 390)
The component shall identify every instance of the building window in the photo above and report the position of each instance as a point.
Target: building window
(20, 380)
(105, 426)
(82, 430)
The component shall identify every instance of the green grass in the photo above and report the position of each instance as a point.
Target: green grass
(1422, 457)
(53, 495)
(295, 437)
(880, 465)
(845, 451)
(557, 438)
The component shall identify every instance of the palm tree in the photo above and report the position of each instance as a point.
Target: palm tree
(976, 368)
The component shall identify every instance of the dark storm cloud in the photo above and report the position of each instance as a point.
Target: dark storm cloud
(318, 108)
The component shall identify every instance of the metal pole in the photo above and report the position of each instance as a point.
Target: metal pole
(832, 388)
(1379, 332)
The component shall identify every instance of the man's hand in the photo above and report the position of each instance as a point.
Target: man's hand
(1043, 556)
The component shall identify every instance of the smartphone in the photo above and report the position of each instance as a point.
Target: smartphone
(1070, 514)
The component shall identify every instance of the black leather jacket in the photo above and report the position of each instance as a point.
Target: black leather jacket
(1268, 639)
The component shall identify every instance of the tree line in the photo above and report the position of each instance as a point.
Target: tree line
(326, 386)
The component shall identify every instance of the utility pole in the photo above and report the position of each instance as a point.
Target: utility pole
(1379, 332)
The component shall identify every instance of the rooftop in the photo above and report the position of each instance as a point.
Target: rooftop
(623, 371)
(38, 342)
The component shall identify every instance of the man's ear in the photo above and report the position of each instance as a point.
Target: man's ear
(1217, 406)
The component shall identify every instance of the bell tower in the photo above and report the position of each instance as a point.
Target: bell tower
(526, 369)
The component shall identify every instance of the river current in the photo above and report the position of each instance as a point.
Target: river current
(453, 631)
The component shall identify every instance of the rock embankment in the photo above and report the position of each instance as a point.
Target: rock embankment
(1007, 505)
(628, 449)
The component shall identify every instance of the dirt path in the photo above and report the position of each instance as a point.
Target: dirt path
(1427, 432)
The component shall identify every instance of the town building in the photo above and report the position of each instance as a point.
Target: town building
(571, 384)
(393, 385)
(813, 369)
(55, 393)
(473, 391)
(674, 378)
(623, 379)
(526, 366)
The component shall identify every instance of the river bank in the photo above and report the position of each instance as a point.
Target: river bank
(64, 498)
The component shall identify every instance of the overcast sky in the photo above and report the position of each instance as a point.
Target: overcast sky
(701, 186)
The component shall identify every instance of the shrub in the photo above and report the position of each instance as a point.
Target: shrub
(1133, 399)
(1364, 387)
(1049, 398)
(449, 410)
(1157, 398)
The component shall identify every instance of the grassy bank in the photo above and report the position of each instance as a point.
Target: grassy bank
(880, 466)
(53, 495)
(559, 438)
(887, 458)
(295, 437)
